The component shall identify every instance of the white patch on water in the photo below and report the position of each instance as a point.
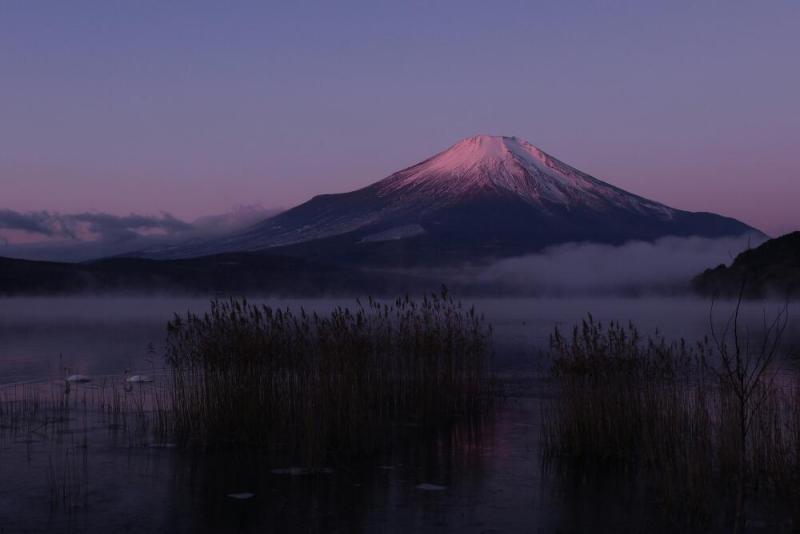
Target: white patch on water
(426, 486)
(241, 496)
(78, 379)
(301, 471)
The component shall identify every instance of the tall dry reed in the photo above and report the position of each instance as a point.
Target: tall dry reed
(318, 387)
(668, 416)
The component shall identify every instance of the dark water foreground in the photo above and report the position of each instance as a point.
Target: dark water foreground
(106, 470)
(100, 467)
(84, 475)
(90, 472)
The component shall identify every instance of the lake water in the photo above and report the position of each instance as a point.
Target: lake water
(479, 479)
(41, 337)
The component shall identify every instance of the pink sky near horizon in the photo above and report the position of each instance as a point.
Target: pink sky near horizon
(150, 107)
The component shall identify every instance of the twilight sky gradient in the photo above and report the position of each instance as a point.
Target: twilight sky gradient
(194, 107)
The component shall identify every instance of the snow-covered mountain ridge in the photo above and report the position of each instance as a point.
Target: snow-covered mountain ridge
(484, 162)
(485, 196)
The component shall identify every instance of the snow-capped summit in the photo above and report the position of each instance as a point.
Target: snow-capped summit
(484, 196)
(507, 164)
(482, 151)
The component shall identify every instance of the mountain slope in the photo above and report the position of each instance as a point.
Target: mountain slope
(484, 196)
(773, 267)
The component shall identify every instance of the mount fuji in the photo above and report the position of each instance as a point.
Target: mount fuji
(484, 197)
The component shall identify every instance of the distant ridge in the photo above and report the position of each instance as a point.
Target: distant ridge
(770, 269)
(223, 274)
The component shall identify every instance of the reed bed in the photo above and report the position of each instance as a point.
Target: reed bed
(673, 421)
(64, 422)
(49, 410)
(319, 388)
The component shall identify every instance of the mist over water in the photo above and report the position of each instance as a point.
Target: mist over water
(664, 266)
(41, 337)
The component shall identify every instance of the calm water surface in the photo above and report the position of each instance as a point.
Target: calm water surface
(41, 337)
(481, 478)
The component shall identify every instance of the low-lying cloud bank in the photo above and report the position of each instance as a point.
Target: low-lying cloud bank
(666, 265)
(44, 235)
(83, 226)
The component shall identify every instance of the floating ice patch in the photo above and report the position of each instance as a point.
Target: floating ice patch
(138, 379)
(78, 379)
(161, 445)
(301, 471)
(242, 496)
(425, 486)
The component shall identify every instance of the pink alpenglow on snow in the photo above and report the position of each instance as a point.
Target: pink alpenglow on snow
(484, 196)
(488, 162)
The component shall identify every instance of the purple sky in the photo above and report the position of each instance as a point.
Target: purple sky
(196, 107)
